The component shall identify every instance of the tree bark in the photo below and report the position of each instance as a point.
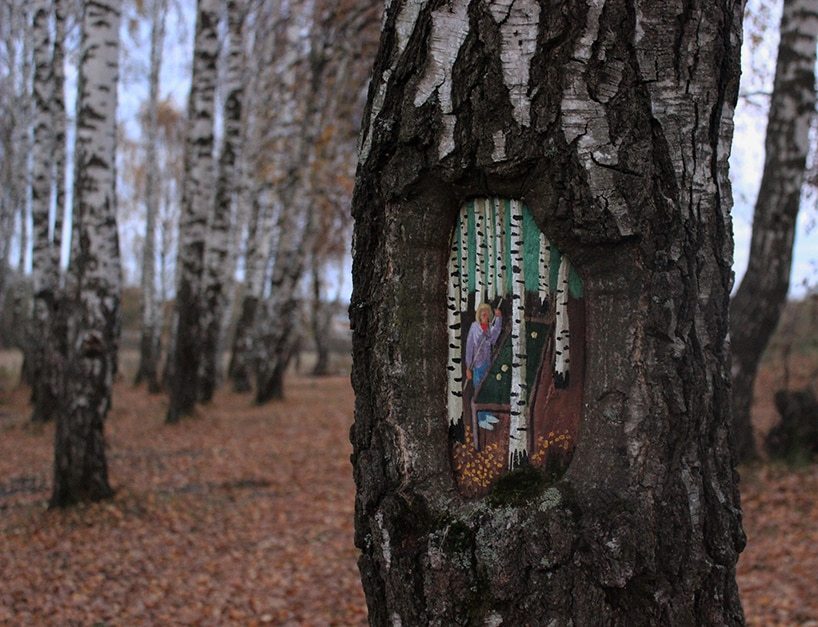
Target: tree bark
(759, 300)
(197, 200)
(44, 270)
(80, 467)
(216, 267)
(612, 121)
(150, 341)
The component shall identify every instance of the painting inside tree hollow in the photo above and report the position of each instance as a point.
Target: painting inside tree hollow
(516, 334)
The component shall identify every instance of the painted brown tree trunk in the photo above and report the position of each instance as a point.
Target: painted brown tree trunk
(217, 267)
(759, 300)
(150, 340)
(612, 121)
(80, 468)
(197, 199)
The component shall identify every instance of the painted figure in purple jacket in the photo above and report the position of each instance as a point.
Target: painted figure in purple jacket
(483, 335)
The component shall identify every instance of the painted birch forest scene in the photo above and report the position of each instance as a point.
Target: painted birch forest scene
(515, 385)
(300, 312)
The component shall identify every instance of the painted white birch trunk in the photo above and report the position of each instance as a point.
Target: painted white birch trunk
(479, 253)
(518, 430)
(464, 258)
(544, 268)
(453, 324)
(490, 246)
(562, 336)
(500, 244)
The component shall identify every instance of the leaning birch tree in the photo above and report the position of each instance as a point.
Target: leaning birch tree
(197, 199)
(612, 121)
(762, 294)
(80, 467)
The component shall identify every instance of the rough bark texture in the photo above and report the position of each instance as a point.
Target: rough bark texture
(150, 340)
(80, 468)
(197, 200)
(612, 121)
(761, 297)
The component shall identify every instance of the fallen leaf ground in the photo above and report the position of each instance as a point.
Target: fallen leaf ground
(243, 515)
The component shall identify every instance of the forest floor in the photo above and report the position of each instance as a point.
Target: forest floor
(243, 515)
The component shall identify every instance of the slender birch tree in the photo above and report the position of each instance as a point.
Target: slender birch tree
(44, 268)
(612, 121)
(762, 294)
(150, 341)
(217, 268)
(80, 467)
(197, 200)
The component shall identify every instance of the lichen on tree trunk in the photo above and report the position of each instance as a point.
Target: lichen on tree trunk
(614, 128)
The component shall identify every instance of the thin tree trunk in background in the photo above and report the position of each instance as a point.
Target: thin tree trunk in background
(197, 200)
(80, 467)
(59, 124)
(320, 319)
(218, 238)
(44, 282)
(150, 345)
(759, 300)
(612, 122)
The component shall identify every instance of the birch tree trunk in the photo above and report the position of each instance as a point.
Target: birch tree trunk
(218, 237)
(80, 468)
(612, 121)
(761, 297)
(197, 200)
(44, 272)
(150, 341)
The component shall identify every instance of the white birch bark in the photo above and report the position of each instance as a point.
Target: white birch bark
(216, 266)
(197, 199)
(453, 323)
(544, 287)
(44, 272)
(562, 336)
(80, 468)
(59, 124)
(518, 431)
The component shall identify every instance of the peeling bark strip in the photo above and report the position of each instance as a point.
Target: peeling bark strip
(80, 468)
(762, 294)
(623, 165)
